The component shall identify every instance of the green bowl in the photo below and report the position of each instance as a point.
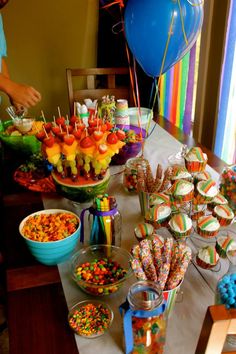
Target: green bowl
(26, 144)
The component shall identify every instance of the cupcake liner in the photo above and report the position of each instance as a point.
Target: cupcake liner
(157, 224)
(202, 199)
(203, 264)
(195, 166)
(223, 221)
(180, 235)
(207, 234)
(185, 198)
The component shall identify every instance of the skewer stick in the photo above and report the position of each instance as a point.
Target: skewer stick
(74, 108)
(45, 132)
(42, 114)
(59, 112)
(67, 120)
(54, 120)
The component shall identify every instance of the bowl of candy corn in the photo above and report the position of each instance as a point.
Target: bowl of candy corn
(51, 235)
(101, 269)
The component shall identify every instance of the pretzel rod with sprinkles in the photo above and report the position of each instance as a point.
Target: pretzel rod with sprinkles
(147, 260)
(166, 259)
(157, 247)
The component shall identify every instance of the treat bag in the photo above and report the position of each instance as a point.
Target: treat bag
(144, 319)
(104, 222)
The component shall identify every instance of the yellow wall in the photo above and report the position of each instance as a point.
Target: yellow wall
(43, 39)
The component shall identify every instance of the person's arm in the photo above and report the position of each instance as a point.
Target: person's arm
(19, 94)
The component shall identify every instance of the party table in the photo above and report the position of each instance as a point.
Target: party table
(41, 294)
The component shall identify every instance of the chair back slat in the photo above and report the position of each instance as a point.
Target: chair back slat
(95, 83)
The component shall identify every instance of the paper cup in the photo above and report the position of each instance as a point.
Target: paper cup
(170, 298)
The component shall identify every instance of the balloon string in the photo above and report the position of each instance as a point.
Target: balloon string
(182, 23)
(120, 2)
(129, 61)
(163, 60)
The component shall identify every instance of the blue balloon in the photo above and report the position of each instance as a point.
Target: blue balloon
(147, 24)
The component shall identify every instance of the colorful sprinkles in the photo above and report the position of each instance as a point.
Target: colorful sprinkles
(90, 319)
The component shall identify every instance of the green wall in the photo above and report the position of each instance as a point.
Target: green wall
(43, 39)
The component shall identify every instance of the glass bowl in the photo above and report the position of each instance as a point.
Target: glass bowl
(90, 318)
(101, 269)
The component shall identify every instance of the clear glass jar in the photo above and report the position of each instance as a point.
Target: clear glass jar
(228, 185)
(104, 222)
(226, 291)
(144, 319)
(130, 178)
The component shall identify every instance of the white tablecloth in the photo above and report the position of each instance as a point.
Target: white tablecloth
(198, 290)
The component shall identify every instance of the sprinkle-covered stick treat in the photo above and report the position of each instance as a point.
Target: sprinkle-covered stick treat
(168, 258)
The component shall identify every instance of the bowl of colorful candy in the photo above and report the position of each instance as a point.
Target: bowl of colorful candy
(51, 235)
(101, 269)
(90, 318)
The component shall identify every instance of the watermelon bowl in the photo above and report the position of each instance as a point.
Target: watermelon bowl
(82, 191)
(51, 235)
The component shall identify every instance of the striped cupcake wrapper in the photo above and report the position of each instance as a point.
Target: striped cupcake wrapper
(185, 198)
(197, 215)
(207, 234)
(180, 235)
(204, 265)
(195, 166)
(160, 223)
(200, 199)
(223, 221)
(221, 252)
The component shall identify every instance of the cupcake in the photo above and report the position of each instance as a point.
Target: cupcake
(143, 230)
(159, 198)
(195, 160)
(207, 257)
(225, 244)
(158, 215)
(180, 225)
(183, 191)
(208, 226)
(206, 191)
(198, 210)
(218, 200)
(224, 214)
(180, 172)
(201, 176)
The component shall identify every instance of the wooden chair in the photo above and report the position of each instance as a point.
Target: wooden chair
(98, 82)
(218, 323)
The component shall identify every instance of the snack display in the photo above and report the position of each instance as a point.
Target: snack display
(158, 215)
(206, 191)
(90, 318)
(160, 260)
(143, 230)
(224, 214)
(208, 226)
(207, 257)
(195, 160)
(180, 225)
(225, 244)
(228, 185)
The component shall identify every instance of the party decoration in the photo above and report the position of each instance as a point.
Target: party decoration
(160, 32)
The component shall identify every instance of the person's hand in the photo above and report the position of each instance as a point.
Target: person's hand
(23, 95)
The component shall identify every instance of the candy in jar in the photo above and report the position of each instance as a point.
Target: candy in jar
(144, 319)
(228, 185)
(130, 178)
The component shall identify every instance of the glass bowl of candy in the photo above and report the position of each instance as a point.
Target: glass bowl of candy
(90, 318)
(101, 269)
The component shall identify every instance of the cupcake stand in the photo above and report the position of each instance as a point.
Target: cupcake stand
(198, 288)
